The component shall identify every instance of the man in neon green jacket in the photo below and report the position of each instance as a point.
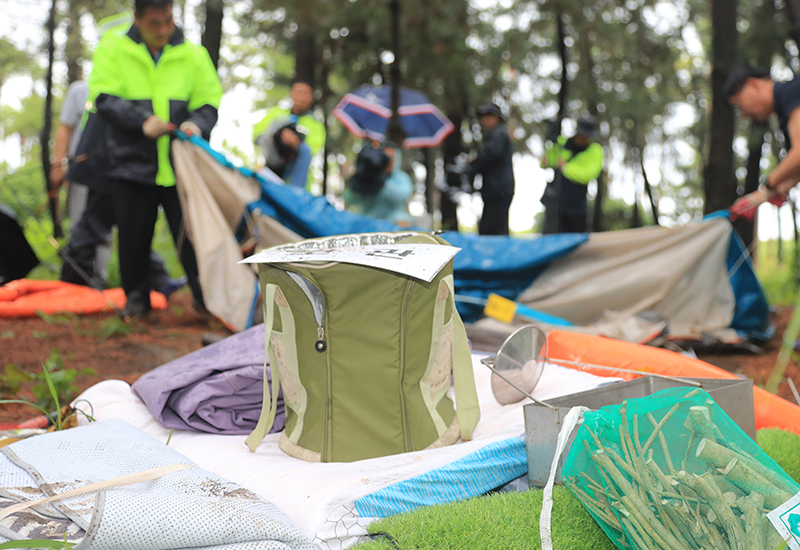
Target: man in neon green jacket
(576, 161)
(145, 84)
(289, 138)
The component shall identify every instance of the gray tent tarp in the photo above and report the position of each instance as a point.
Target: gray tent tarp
(215, 199)
(695, 279)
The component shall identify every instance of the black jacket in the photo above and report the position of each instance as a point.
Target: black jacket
(494, 163)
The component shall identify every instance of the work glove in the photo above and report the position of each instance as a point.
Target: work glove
(777, 199)
(744, 208)
(154, 127)
(191, 129)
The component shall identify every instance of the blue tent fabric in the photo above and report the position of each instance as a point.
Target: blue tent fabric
(751, 316)
(486, 264)
(503, 265)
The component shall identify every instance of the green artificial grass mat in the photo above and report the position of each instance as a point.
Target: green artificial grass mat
(510, 521)
(501, 520)
(783, 447)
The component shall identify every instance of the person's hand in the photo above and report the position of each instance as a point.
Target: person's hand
(57, 175)
(290, 138)
(190, 129)
(745, 207)
(154, 127)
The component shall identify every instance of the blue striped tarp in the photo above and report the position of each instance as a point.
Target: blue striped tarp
(488, 468)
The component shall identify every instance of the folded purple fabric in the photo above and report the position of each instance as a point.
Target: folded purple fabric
(216, 389)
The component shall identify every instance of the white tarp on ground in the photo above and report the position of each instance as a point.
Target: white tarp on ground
(679, 273)
(333, 502)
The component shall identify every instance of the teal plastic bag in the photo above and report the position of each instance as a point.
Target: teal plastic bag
(673, 471)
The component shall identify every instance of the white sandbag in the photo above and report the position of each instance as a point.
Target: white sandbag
(189, 508)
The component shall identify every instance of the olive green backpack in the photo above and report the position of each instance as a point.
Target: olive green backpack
(364, 356)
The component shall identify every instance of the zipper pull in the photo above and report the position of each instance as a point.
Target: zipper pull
(320, 344)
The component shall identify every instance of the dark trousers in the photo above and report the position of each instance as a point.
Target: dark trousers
(564, 222)
(565, 207)
(136, 210)
(494, 219)
(93, 229)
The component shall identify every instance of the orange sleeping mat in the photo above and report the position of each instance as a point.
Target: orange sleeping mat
(26, 297)
(771, 411)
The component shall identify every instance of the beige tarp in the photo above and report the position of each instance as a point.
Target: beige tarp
(679, 273)
(214, 200)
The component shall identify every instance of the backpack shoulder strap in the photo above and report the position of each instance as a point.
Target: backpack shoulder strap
(467, 408)
(269, 405)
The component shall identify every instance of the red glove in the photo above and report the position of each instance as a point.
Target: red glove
(743, 208)
(778, 200)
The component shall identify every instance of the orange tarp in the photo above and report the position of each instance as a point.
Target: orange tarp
(25, 297)
(771, 411)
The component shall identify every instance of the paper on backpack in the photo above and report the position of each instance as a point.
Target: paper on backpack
(421, 261)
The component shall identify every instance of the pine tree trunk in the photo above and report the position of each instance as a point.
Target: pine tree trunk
(793, 10)
(746, 229)
(563, 56)
(452, 146)
(73, 49)
(52, 194)
(597, 208)
(649, 189)
(212, 32)
(719, 178)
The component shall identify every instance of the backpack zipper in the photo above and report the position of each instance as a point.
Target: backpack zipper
(314, 295)
(317, 300)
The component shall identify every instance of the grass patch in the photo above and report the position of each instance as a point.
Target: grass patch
(783, 447)
(778, 276)
(54, 385)
(511, 520)
(500, 520)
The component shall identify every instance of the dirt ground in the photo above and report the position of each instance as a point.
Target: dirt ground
(84, 342)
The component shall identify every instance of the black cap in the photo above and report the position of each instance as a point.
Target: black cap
(490, 108)
(738, 76)
(587, 126)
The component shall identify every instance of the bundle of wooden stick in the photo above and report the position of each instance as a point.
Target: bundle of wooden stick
(645, 501)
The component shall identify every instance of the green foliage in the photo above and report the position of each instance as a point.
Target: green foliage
(502, 520)
(55, 386)
(37, 543)
(56, 383)
(641, 67)
(12, 379)
(14, 61)
(777, 278)
(113, 327)
(57, 319)
(783, 447)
